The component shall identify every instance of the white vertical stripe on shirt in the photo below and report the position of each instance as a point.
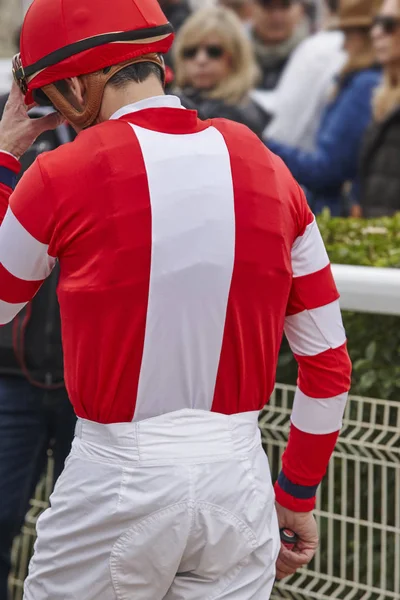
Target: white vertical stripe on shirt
(308, 253)
(193, 246)
(318, 415)
(32, 261)
(314, 331)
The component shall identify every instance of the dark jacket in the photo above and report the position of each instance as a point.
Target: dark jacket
(176, 15)
(380, 168)
(30, 346)
(247, 113)
(334, 162)
(270, 75)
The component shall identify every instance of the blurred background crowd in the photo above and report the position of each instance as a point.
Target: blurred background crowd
(317, 80)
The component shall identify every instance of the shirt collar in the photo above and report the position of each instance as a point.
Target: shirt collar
(154, 102)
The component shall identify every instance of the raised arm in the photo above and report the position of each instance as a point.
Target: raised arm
(26, 216)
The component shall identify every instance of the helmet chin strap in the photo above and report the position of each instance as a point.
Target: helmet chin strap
(95, 85)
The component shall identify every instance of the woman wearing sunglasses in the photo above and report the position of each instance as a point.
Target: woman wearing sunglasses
(325, 171)
(379, 169)
(215, 67)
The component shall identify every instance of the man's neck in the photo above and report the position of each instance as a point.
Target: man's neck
(116, 98)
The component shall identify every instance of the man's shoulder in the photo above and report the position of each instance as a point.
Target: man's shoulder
(358, 88)
(366, 78)
(248, 151)
(260, 171)
(323, 42)
(232, 129)
(318, 51)
(86, 151)
(241, 140)
(102, 134)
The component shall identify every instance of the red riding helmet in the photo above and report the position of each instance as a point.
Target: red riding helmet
(67, 38)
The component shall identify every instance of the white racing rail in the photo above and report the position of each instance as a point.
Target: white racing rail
(368, 289)
(358, 509)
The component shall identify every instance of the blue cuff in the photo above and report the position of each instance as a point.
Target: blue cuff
(302, 492)
(8, 177)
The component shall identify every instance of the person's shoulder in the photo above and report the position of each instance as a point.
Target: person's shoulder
(357, 92)
(237, 132)
(263, 170)
(240, 139)
(233, 129)
(324, 40)
(246, 145)
(365, 79)
(309, 44)
(87, 149)
(103, 134)
(318, 49)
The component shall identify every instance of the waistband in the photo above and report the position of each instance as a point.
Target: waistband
(181, 436)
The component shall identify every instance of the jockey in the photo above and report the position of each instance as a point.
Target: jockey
(185, 249)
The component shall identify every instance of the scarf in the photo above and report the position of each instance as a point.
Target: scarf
(271, 56)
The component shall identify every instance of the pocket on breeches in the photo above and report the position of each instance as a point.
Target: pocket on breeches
(257, 487)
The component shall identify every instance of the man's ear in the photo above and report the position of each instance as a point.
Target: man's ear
(77, 88)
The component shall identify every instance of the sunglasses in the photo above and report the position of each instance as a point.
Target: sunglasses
(213, 52)
(388, 24)
(275, 4)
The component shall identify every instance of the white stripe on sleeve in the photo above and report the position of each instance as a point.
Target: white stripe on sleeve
(319, 416)
(8, 311)
(308, 253)
(314, 331)
(30, 260)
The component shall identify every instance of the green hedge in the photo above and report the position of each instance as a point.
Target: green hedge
(373, 340)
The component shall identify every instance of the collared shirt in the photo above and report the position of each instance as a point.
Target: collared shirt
(167, 101)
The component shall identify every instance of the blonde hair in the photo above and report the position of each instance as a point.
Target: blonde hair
(223, 23)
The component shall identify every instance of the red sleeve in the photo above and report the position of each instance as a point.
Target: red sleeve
(26, 227)
(317, 338)
(9, 169)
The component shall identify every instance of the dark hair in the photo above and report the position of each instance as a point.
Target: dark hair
(17, 37)
(282, 3)
(137, 73)
(333, 5)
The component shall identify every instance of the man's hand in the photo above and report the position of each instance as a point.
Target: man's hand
(356, 211)
(304, 525)
(17, 130)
